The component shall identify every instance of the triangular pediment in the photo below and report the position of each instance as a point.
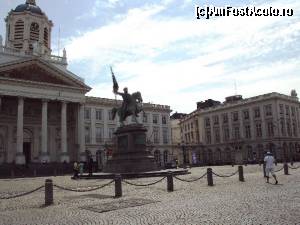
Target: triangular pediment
(39, 72)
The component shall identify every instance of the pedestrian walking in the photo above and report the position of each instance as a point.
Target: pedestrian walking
(269, 163)
(75, 169)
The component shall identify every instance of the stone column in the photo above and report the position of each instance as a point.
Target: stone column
(81, 138)
(44, 157)
(64, 151)
(20, 158)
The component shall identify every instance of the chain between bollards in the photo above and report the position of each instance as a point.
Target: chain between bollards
(210, 181)
(48, 192)
(241, 174)
(170, 184)
(118, 186)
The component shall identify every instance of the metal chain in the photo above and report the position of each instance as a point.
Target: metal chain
(219, 175)
(85, 189)
(143, 185)
(294, 168)
(278, 170)
(23, 194)
(190, 180)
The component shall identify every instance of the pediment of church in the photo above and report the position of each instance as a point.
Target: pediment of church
(41, 72)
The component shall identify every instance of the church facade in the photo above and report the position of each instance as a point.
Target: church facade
(45, 115)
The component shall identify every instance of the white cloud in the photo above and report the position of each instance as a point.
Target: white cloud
(162, 56)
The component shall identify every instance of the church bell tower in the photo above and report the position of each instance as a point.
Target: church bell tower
(28, 27)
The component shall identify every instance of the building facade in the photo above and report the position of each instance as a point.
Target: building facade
(45, 115)
(243, 130)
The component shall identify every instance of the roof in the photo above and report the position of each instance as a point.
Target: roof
(29, 8)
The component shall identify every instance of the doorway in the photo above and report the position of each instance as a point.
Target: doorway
(27, 152)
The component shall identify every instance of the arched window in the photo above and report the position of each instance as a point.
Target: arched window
(46, 37)
(34, 32)
(19, 34)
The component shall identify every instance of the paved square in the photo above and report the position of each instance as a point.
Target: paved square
(227, 202)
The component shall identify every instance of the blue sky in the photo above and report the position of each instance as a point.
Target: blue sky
(162, 50)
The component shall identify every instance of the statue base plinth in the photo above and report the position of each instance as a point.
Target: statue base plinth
(131, 154)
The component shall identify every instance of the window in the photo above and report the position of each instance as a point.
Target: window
(268, 110)
(156, 134)
(46, 38)
(287, 110)
(282, 127)
(258, 130)
(248, 131)
(164, 120)
(192, 125)
(256, 112)
(87, 135)
(294, 129)
(293, 111)
(235, 116)
(87, 114)
(281, 109)
(225, 118)
(288, 127)
(155, 118)
(19, 34)
(217, 135)
(207, 122)
(208, 136)
(165, 136)
(270, 127)
(110, 115)
(246, 114)
(99, 134)
(34, 32)
(236, 133)
(145, 117)
(226, 134)
(111, 132)
(216, 120)
(98, 114)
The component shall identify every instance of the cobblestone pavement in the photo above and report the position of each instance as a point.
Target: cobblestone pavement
(227, 202)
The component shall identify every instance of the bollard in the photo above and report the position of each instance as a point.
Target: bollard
(210, 181)
(170, 184)
(48, 192)
(286, 169)
(118, 186)
(241, 174)
(12, 174)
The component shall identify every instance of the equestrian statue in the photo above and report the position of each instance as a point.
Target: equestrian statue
(132, 104)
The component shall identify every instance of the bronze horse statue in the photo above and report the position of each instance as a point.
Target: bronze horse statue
(131, 107)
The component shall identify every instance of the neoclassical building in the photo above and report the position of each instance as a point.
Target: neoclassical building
(242, 130)
(45, 115)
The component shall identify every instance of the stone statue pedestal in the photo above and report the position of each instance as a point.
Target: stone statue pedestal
(130, 154)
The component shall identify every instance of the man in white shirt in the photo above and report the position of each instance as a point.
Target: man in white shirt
(269, 162)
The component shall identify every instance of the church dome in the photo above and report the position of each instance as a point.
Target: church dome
(29, 6)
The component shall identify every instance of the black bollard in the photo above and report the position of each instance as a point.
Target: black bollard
(48, 192)
(241, 174)
(210, 181)
(118, 186)
(286, 169)
(170, 183)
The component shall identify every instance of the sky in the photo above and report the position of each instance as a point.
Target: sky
(162, 50)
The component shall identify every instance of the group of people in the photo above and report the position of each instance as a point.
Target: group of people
(78, 168)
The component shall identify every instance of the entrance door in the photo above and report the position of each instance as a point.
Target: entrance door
(27, 152)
